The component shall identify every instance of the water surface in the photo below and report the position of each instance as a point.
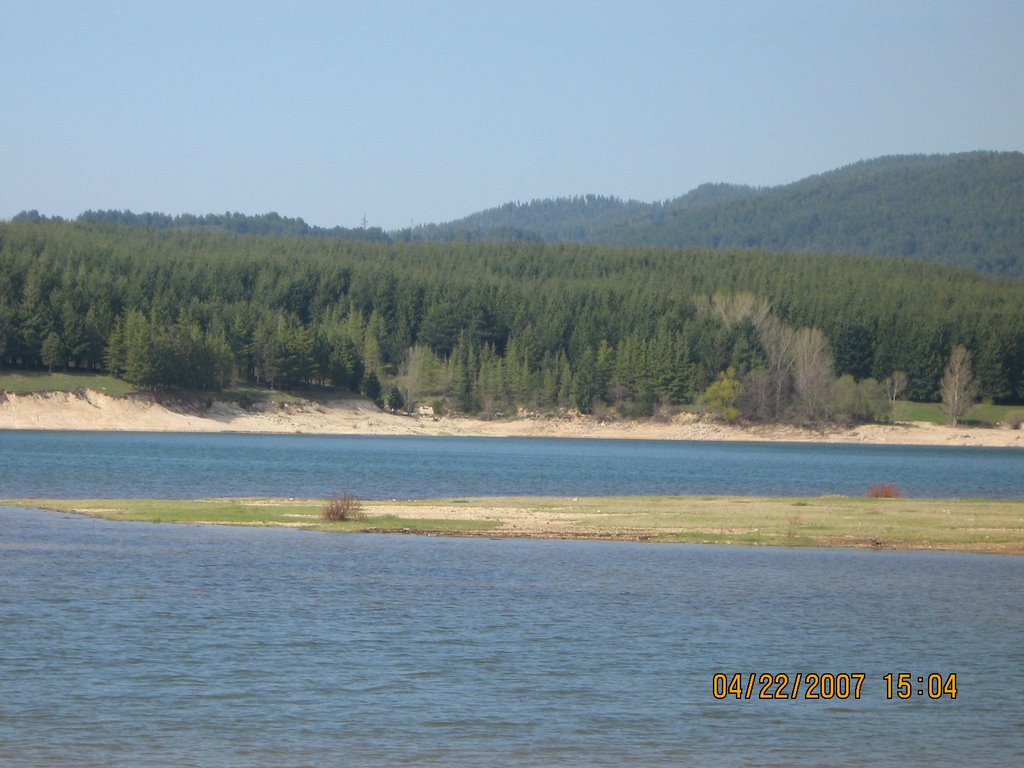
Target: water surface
(132, 645)
(152, 645)
(115, 465)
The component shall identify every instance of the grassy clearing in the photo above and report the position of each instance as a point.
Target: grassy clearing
(245, 396)
(32, 382)
(248, 397)
(977, 525)
(981, 414)
(29, 382)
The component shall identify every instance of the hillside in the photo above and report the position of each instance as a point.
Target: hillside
(500, 328)
(964, 210)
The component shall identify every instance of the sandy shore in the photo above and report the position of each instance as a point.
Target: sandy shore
(89, 410)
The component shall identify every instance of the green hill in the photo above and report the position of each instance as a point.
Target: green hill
(493, 327)
(964, 210)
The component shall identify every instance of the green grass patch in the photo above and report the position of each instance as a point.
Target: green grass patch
(225, 511)
(254, 512)
(248, 397)
(981, 414)
(30, 382)
(425, 525)
(33, 382)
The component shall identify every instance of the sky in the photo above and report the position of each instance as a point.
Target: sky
(409, 112)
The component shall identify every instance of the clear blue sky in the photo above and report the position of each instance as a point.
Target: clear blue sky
(428, 111)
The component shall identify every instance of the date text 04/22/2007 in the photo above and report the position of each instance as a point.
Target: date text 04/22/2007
(829, 686)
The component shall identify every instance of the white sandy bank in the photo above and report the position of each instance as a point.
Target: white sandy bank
(89, 410)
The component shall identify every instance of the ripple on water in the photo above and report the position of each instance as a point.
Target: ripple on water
(128, 645)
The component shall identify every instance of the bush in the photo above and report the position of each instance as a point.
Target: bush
(393, 400)
(344, 506)
(371, 387)
(884, 491)
(723, 394)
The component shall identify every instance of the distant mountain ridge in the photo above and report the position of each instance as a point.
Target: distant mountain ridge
(272, 224)
(964, 210)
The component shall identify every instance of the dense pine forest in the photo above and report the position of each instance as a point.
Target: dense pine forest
(963, 210)
(239, 223)
(493, 327)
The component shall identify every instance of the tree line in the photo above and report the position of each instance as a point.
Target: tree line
(242, 224)
(495, 327)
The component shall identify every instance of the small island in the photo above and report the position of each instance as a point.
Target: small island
(966, 525)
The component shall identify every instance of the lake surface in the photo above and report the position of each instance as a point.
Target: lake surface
(155, 645)
(115, 465)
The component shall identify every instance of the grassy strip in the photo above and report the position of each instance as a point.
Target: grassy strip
(34, 382)
(30, 382)
(977, 525)
(255, 512)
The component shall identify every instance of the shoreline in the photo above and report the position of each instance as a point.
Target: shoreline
(958, 525)
(88, 410)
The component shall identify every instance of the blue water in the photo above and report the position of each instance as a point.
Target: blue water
(151, 645)
(130, 645)
(112, 465)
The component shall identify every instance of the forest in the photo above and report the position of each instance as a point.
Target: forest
(963, 210)
(493, 328)
(239, 223)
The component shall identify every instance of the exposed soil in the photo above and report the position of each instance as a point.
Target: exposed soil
(89, 410)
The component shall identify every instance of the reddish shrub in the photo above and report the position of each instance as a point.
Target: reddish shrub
(885, 491)
(344, 506)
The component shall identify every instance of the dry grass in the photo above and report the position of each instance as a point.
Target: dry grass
(883, 523)
(968, 525)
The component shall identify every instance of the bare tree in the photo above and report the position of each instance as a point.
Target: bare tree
(799, 365)
(958, 387)
(734, 308)
(813, 374)
(777, 343)
(895, 385)
(410, 374)
(756, 397)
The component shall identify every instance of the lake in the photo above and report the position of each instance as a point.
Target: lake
(155, 645)
(134, 465)
(132, 645)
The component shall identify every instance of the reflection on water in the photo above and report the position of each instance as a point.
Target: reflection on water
(135, 644)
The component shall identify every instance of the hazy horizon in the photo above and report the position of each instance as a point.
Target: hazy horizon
(418, 113)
